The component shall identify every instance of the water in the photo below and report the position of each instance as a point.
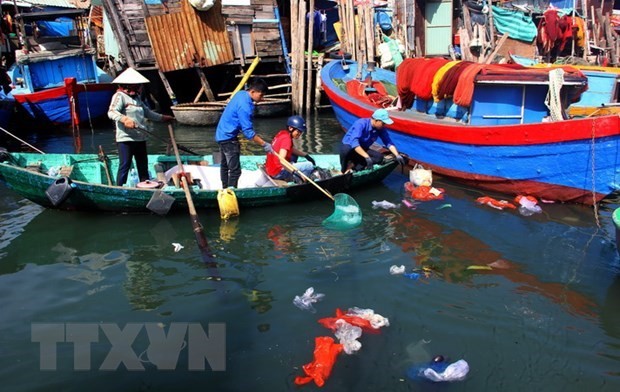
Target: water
(546, 317)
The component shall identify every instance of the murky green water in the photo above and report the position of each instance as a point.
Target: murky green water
(547, 317)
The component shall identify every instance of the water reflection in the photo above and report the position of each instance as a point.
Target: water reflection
(452, 254)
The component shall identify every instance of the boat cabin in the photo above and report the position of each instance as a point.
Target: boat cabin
(54, 47)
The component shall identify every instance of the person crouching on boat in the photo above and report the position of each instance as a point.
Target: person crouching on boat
(355, 152)
(128, 112)
(238, 117)
(283, 146)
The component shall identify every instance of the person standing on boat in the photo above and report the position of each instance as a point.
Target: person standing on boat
(355, 151)
(282, 145)
(128, 112)
(238, 117)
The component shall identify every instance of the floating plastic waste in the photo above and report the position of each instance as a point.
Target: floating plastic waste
(376, 320)
(397, 270)
(386, 205)
(177, 246)
(307, 299)
(319, 370)
(347, 335)
(439, 370)
(528, 205)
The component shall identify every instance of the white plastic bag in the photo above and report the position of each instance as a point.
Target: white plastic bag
(454, 372)
(420, 176)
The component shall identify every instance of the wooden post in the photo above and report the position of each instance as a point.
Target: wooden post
(317, 86)
(206, 88)
(171, 94)
(294, 59)
(309, 65)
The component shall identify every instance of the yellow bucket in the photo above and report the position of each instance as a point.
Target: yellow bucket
(227, 201)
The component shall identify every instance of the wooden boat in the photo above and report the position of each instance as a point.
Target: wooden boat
(56, 78)
(503, 142)
(601, 98)
(83, 182)
(615, 216)
(209, 113)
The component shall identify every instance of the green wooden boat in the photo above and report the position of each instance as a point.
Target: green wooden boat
(80, 182)
(615, 216)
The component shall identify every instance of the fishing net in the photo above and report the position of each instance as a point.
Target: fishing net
(346, 215)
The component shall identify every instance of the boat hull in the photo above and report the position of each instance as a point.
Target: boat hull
(56, 106)
(568, 161)
(209, 113)
(95, 194)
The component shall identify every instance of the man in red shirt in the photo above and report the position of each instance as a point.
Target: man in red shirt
(283, 146)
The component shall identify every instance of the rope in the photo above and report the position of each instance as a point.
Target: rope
(553, 100)
(594, 204)
(90, 122)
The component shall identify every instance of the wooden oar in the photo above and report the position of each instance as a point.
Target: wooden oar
(104, 159)
(198, 231)
(293, 169)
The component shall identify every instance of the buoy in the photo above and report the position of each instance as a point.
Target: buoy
(227, 201)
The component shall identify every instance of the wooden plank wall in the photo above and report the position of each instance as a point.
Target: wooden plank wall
(265, 31)
(189, 38)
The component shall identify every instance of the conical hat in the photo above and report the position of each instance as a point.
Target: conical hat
(130, 76)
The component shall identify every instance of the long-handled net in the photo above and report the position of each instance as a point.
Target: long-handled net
(347, 213)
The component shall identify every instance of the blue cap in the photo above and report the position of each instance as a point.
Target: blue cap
(382, 115)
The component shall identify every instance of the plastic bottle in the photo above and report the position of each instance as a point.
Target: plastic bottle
(133, 178)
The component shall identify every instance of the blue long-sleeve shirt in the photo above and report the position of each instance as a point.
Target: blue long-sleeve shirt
(363, 134)
(237, 117)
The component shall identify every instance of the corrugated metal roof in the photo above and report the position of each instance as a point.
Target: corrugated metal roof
(61, 3)
(189, 38)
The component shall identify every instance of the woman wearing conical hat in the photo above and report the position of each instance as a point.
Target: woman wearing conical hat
(129, 112)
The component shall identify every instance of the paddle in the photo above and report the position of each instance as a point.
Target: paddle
(198, 231)
(141, 128)
(293, 169)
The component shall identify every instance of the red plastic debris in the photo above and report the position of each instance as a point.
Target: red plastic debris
(325, 353)
(424, 193)
(497, 204)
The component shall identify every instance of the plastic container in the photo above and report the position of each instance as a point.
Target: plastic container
(227, 201)
(59, 190)
(133, 178)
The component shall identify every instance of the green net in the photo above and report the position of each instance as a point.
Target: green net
(346, 215)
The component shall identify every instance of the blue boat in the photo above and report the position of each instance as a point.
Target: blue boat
(56, 77)
(503, 141)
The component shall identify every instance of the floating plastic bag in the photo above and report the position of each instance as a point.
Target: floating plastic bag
(346, 215)
(307, 299)
(420, 176)
(423, 192)
(397, 270)
(439, 370)
(376, 320)
(330, 322)
(528, 205)
(386, 205)
(325, 353)
(454, 372)
(497, 204)
(347, 335)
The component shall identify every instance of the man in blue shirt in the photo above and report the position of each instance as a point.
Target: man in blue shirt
(355, 152)
(238, 117)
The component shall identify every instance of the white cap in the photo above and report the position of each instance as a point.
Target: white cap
(130, 76)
